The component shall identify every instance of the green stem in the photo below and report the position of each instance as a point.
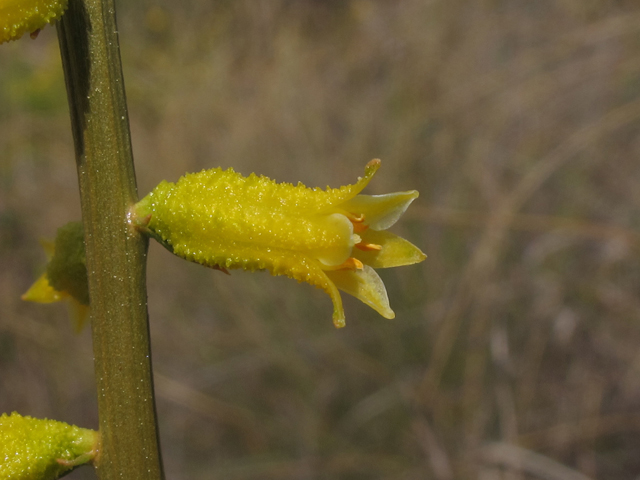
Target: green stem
(116, 252)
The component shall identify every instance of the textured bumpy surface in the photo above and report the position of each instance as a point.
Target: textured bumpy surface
(218, 217)
(18, 17)
(34, 449)
(223, 220)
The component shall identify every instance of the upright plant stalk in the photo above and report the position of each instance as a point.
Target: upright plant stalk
(116, 253)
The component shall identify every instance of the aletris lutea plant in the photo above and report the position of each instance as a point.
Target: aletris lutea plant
(333, 239)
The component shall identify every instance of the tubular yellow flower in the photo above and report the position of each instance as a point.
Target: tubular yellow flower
(332, 238)
(21, 16)
(35, 449)
(65, 278)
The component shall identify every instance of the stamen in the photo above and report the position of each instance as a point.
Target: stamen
(357, 221)
(359, 227)
(351, 264)
(368, 247)
(355, 218)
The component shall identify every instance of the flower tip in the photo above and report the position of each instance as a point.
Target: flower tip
(376, 162)
(372, 166)
(42, 292)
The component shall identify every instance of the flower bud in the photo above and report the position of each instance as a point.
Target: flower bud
(34, 449)
(65, 278)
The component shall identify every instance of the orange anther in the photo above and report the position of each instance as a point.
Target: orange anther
(359, 227)
(351, 264)
(368, 247)
(353, 218)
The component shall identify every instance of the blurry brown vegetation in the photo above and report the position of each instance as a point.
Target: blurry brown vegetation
(515, 351)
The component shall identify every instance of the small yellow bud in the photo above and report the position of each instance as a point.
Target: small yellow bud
(66, 275)
(34, 449)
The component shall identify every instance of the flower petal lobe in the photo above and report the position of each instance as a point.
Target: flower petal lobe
(381, 211)
(366, 286)
(395, 251)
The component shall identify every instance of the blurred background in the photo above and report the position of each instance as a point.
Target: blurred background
(514, 353)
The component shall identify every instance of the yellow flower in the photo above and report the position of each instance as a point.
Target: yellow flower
(35, 449)
(20, 16)
(333, 239)
(65, 278)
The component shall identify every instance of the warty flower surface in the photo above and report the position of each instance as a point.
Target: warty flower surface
(333, 239)
(41, 449)
(27, 16)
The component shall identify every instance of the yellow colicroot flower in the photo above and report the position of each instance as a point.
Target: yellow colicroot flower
(27, 16)
(333, 239)
(35, 449)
